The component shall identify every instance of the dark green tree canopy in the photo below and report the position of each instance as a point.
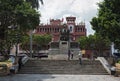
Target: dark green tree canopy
(16, 18)
(107, 22)
(38, 42)
(94, 42)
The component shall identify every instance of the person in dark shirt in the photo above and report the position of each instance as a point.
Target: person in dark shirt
(68, 54)
(20, 63)
(72, 54)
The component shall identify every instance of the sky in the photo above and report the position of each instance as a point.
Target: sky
(83, 10)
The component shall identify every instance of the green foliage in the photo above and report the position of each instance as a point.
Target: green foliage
(41, 39)
(38, 42)
(20, 17)
(25, 43)
(86, 42)
(94, 42)
(119, 62)
(107, 22)
(27, 17)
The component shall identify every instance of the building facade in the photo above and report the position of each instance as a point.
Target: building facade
(55, 27)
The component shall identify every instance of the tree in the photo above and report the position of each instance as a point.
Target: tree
(20, 17)
(38, 42)
(94, 42)
(25, 43)
(86, 42)
(107, 22)
(41, 40)
(101, 44)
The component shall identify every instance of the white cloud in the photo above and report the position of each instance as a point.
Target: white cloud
(82, 9)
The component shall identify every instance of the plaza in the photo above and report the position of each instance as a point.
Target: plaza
(54, 77)
(59, 40)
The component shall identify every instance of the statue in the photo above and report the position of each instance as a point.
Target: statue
(64, 35)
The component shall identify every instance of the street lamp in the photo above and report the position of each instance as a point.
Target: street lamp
(31, 33)
(31, 42)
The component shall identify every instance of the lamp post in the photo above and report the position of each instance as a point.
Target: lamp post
(31, 38)
(68, 36)
(16, 45)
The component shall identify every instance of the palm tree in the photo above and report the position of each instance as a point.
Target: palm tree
(35, 3)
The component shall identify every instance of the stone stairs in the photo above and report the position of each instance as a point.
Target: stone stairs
(62, 67)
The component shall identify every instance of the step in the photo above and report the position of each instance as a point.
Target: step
(62, 67)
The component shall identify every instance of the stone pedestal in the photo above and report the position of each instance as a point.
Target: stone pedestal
(62, 47)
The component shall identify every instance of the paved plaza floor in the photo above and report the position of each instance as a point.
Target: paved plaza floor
(45, 77)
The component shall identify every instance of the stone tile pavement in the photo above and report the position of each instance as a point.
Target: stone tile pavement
(45, 77)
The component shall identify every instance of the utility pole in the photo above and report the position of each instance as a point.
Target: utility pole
(31, 33)
(16, 45)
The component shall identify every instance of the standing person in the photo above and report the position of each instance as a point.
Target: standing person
(72, 54)
(68, 54)
(113, 69)
(20, 63)
(80, 58)
(12, 59)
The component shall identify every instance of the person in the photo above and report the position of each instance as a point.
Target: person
(72, 54)
(20, 63)
(113, 69)
(12, 68)
(80, 58)
(68, 54)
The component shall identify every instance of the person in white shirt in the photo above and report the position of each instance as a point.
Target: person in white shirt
(113, 69)
(12, 59)
(80, 57)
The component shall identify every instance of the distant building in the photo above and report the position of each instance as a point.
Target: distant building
(55, 26)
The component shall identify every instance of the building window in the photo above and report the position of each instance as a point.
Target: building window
(39, 29)
(50, 29)
(43, 29)
(83, 29)
(80, 29)
(57, 29)
(70, 28)
(77, 29)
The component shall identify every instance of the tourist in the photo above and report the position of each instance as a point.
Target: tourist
(80, 58)
(72, 54)
(20, 63)
(12, 59)
(113, 69)
(68, 54)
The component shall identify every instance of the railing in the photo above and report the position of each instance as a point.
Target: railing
(105, 64)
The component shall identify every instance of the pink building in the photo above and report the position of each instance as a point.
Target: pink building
(55, 26)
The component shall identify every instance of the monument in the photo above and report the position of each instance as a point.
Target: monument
(64, 44)
(64, 36)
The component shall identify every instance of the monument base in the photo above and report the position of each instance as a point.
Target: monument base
(62, 47)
